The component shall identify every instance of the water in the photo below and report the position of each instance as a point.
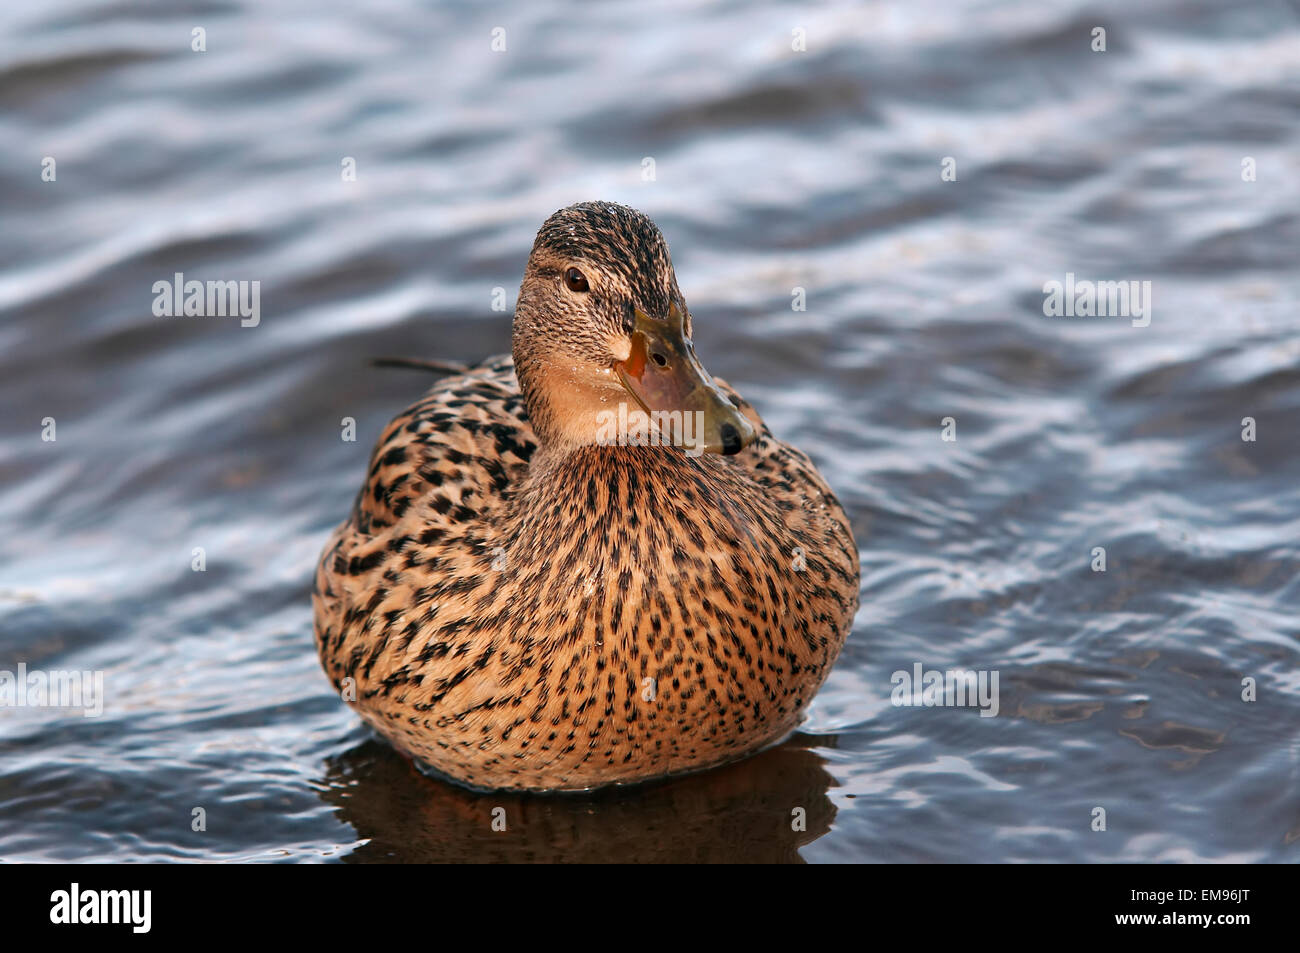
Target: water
(773, 169)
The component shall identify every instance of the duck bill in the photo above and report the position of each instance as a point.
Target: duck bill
(677, 393)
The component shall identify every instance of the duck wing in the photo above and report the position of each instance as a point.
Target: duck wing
(438, 468)
(453, 452)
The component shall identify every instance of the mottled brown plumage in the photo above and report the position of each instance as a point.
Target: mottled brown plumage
(519, 606)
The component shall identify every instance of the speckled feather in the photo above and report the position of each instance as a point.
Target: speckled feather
(631, 563)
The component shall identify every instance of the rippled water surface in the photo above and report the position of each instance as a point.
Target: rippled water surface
(773, 169)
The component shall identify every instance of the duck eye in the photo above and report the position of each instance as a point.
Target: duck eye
(659, 359)
(575, 280)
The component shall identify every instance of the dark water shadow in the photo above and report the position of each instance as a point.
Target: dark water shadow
(739, 813)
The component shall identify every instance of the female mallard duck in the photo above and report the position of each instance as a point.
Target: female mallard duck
(533, 593)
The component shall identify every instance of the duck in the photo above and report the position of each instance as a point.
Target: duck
(586, 563)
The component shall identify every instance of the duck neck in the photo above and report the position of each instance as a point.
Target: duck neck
(566, 403)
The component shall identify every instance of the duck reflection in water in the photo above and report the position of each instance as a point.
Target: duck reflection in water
(760, 810)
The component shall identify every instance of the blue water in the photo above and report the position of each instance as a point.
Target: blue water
(774, 169)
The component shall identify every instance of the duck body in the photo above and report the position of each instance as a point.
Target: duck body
(533, 612)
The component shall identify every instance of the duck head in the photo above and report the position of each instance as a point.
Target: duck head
(600, 321)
